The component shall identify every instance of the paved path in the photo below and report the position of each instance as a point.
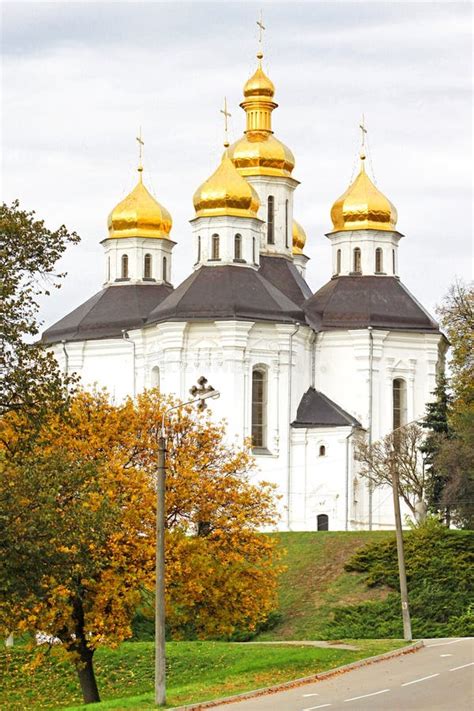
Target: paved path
(439, 677)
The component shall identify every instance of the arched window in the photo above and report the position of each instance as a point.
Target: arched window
(108, 268)
(238, 247)
(322, 451)
(287, 230)
(357, 268)
(399, 389)
(338, 261)
(323, 522)
(215, 247)
(378, 260)
(165, 269)
(259, 407)
(271, 220)
(124, 272)
(253, 251)
(155, 377)
(393, 261)
(199, 249)
(147, 266)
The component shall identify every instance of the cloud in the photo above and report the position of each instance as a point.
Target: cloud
(80, 78)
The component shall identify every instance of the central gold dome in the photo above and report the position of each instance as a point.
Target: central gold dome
(139, 215)
(226, 193)
(363, 207)
(258, 152)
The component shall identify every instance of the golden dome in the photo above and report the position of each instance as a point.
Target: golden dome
(258, 152)
(259, 85)
(139, 215)
(299, 238)
(363, 207)
(226, 193)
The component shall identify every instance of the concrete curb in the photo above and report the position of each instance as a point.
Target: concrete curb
(303, 680)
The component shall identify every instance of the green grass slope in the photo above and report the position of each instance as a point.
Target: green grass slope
(196, 671)
(315, 581)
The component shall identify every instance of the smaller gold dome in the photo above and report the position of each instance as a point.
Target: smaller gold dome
(139, 215)
(363, 207)
(260, 153)
(226, 193)
(259, 85)
(299, 238)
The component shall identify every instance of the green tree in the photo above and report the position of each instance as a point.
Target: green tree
(436, 421)
(30, 378)
(454, 458)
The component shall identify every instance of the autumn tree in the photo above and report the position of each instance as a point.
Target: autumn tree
(400, 449)
(30, 378)
(454, 456)
(77, 505)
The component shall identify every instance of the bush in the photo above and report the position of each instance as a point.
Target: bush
(439, 572)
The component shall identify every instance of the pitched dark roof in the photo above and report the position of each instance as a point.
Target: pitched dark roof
(361, 301)
(105, 314)
(227, 292)
(317, 410)
(283, 274)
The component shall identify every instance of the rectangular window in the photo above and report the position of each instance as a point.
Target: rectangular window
(271, 220)
(259, 397)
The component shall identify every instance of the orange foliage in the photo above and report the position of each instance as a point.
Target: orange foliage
(78, 502)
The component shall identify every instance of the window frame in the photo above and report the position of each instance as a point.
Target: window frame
(259, 416)
(271, 219)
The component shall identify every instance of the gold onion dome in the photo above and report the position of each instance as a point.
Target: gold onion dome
(299, 238)
(258, 152)
(139, 215)
(363, 207)
(226, 193)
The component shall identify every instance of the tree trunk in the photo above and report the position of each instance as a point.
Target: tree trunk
(85, 672)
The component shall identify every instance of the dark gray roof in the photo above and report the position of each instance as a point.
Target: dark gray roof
(361, 301)
(104, 315)
(317, 410)
(283, 274)
(227, 292)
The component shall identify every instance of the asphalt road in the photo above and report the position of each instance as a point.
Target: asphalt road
(438, 677)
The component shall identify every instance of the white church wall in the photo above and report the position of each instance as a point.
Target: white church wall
(281, 189)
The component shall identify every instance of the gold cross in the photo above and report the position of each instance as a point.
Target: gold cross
(226, 116)
(141, 143)
(261, 28)
(363, 129)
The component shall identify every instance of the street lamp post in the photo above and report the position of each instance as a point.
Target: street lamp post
(200, 393)
(402, 574)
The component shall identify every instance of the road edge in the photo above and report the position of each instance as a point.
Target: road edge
(302, 680)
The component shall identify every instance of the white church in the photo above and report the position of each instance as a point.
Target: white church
(299, 372)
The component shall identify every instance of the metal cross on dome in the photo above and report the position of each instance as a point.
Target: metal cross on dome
(141, 143)
(200, 390)
(226, 126)
(261, 29)
(363, 130)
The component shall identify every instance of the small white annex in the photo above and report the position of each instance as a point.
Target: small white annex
(299, 372)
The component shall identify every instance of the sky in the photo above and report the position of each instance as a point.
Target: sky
(80, 78)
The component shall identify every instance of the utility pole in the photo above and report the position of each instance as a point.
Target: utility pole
(160, 652)
(200, 393)
(400, 551)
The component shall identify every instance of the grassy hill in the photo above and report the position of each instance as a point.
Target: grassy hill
(315, 581)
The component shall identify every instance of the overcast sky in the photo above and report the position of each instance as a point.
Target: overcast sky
(79, 78)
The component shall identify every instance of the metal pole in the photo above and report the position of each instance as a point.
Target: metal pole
(371, 391)
(401, 554)
(160, 652)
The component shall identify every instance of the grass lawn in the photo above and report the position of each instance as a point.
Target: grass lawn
(315, 581)
(196, 671)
